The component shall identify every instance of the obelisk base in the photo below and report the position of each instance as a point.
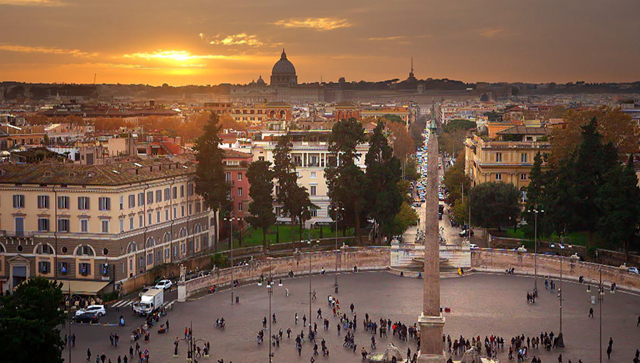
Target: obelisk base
(431, 349)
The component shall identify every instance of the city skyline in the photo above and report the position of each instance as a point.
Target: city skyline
(70, 41)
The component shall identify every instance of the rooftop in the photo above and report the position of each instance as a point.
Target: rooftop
(524, 130)
(113, 174)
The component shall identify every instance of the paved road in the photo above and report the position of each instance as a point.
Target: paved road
(481, 304)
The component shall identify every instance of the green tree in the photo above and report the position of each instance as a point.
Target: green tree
(619, 206)
(383, 175)
(285, 174)
(494, 204)
(260, 178)
(455, 180)
(593, 160)
(30, 321)
(210, 177)
(346, 180)
(406, 218)
(301, 206)
(536, 193)
(461, 212)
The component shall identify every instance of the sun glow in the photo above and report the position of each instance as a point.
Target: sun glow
(173, 55)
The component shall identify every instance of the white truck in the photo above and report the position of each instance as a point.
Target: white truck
(150, 301)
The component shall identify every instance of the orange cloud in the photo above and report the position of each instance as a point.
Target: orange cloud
(490, 32)
(319, 24)
(32, 2)
(235, 39)
(28, 49)
(397, 37)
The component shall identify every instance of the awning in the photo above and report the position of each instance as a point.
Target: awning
(82, 287)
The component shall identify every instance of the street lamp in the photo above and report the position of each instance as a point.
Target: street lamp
(231, 219)
(191, 345)
(601, 302)
(335, 284)
(270, 292)
(310, 253)
(560, 298)
(535, 247)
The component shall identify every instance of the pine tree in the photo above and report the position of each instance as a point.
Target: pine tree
(619, 206)
(346, 180)
(384, 197)
(210, 177)
(260, 178)
(286, 178)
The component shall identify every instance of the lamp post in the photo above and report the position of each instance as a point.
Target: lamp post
(310, 293)
(560, 298)
(335, 284)
(233, 285)
(601, 302)
(191, 345)
(535, 247)
(270, 292)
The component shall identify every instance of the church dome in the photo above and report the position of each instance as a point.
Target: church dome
(283, 66)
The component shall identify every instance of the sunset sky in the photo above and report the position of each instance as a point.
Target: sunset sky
(183, 42)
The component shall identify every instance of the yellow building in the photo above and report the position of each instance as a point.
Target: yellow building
(98, 223)
(508, 157)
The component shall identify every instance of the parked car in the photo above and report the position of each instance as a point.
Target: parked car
(163, 285)
(87, 317)
(633, 270)
(99, 310)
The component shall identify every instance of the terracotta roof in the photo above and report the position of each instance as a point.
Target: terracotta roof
(235, 154)
(112, 174)
(524, 130)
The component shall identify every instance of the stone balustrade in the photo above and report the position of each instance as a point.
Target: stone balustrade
(365, 258)
(524, 263)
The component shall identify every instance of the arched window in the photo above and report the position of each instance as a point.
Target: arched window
(183, 232)
(132, 247)
(84, 250)
(2, 249)
(197, 228)
(167, 237)
(151, 242)
(44, 249)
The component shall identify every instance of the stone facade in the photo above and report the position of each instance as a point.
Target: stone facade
(98, 223)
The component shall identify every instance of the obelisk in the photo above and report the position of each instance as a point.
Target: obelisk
(431, 320)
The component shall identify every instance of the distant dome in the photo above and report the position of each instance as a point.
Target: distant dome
(283, 66)
(261, 81)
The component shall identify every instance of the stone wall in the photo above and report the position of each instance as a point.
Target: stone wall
(204, 261)
(365, 258)
(523, 263)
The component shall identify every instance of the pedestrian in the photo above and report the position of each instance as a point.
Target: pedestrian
(609, 349)
(591, 312)
(560, 358)
(167, 324)
(296, 318)
(88, 354)
(130, 351)
(289, 333)
(73, 339)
